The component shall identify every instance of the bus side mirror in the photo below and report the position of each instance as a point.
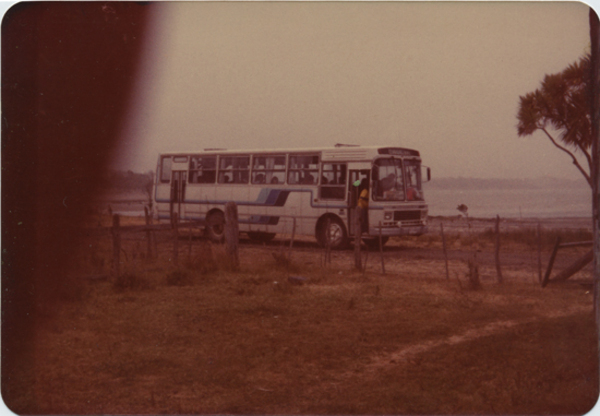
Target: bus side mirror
(428, 174)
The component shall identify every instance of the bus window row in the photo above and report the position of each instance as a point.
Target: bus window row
(272, 169)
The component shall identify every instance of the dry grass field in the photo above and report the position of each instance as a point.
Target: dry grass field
(313, 337)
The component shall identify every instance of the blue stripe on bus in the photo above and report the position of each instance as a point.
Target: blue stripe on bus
(268, 197)
(253, 219)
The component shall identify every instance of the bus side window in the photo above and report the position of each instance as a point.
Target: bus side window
(333, 181)
(165, 169)
(304, 169)
(234, 169)
(203, 169)
(268, 169)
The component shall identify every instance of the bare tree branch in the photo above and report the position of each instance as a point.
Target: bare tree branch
(575, 161)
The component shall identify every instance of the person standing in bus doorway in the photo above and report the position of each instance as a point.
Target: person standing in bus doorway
(363, 203)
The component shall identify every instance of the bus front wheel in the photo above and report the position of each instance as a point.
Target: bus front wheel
(215, 227)
(334, 230)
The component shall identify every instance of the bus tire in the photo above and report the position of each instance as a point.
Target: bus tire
(337, 232)
(260, 236)
(215, 227)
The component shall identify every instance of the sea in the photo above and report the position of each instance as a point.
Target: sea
(481, 201)
(563, 202)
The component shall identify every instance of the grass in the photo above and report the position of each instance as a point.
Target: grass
(192, 340)
(199, 338)
(518, 238)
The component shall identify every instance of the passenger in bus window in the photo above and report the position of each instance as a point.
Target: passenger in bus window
(308, 179)
(412, 194)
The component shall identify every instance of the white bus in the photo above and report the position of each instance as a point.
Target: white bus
(275, 189)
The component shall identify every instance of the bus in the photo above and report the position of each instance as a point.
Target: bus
(313, 191)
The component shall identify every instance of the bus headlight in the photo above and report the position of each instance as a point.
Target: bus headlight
(388, 215)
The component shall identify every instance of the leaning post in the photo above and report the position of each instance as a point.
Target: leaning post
(546, 278)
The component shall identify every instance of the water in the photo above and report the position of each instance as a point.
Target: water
(512, 203)
(484, 203)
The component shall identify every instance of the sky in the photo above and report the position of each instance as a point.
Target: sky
(443, 78)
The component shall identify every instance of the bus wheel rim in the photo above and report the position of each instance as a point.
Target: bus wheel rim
(335, 233)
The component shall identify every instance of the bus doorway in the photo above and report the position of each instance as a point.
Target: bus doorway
(177, 205)
(356, 177)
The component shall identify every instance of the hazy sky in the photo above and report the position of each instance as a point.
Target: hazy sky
(444, 78)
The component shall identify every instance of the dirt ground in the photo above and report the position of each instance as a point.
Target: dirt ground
(291, 332)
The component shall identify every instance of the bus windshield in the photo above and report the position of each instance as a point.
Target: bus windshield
(390, 183)
(413, 180)
(392, 176)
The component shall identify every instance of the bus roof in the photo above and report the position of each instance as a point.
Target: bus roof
(339, 152)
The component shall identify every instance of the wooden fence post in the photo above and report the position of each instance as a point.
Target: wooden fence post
(381, 248)
(116, 245)
(497, 253)
(445, 251)
(190, 244)
(327, 248)
(292, 239)
(539, 249)
(175, 224)
(232, 233)
(357, 238)
(148, 235)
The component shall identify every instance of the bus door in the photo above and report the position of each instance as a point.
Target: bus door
(356, 176)
(177, 205)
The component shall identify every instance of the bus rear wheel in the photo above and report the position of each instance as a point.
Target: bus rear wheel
(260, 236)
(333, 229)
(215, 227)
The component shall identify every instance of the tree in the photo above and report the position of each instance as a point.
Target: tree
(561, 109)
